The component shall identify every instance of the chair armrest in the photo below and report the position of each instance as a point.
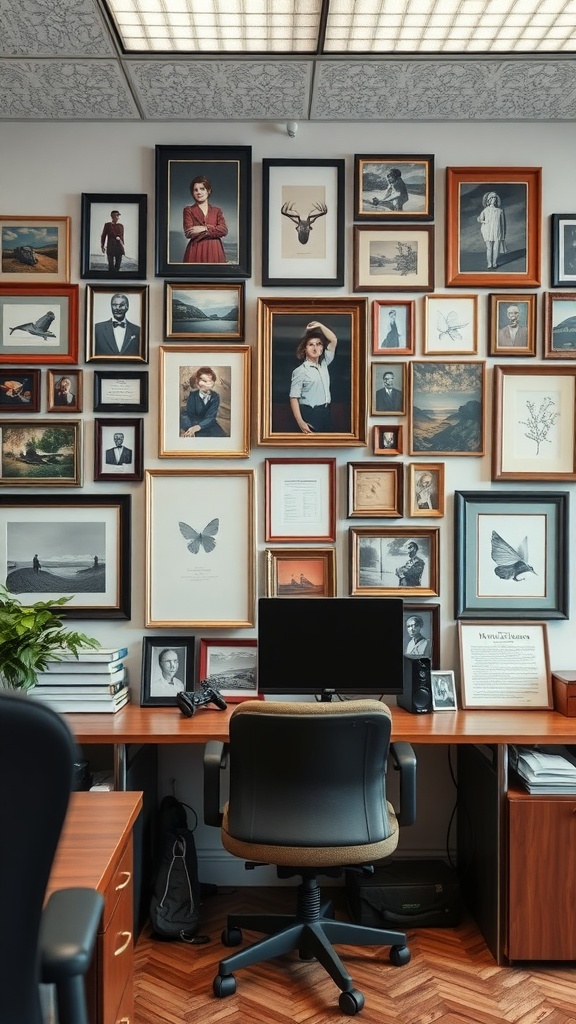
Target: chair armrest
(215, 760)
(68, 932)
(405, 762)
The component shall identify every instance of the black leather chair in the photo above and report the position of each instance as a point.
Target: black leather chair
(308, 794)
(52, 943)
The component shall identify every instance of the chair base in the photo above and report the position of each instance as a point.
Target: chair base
(311, 931)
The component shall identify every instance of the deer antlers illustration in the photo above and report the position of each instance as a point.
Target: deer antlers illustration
(304, 226)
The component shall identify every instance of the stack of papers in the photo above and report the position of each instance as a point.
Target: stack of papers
(543, 772)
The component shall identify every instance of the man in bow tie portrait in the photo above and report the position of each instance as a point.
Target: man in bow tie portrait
(117, 337)
(119, 455)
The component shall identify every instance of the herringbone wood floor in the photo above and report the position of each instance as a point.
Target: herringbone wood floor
(451, 978)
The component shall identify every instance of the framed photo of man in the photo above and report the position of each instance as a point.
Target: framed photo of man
(117, 324)
(113, 242)
(512, 325)
(392, 561)
(388, 392)
(422, 632)
(118, 449)
(167, 669)
(64, 391)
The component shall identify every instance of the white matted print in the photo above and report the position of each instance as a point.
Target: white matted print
(450, 324)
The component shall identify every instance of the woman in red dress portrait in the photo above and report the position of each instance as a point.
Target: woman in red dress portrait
(204, 225)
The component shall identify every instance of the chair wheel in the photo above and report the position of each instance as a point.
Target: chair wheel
(351, 1002)
(224, 985)
(400, 955)
(231, 937)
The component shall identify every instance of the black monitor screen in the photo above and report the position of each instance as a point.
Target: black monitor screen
(319, 645)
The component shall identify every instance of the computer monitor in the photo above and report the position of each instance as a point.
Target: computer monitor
(330, 645)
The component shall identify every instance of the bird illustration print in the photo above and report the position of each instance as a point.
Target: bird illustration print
(39, 328)
(511, 564)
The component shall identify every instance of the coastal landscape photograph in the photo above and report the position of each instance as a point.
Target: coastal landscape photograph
(55, 558)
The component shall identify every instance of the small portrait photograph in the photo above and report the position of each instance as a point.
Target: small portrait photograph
(118, 449)
(113, 236)
(388, 389)
(205, 401)
(422, 632)
(512, 329)
(20, 390)
(426, 489)
(117, 324)
(393, 327)
(560, 325)
(387, 439)
(64, 391)
(443, 691)
(167, 669)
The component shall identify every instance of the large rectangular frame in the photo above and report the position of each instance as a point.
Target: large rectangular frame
(32, 452)
(300, 572)
(229, 170)
(519, 193)
(46, 319)
(237, 678)
(152, 648)
(96, 211)
(372, 181)
(443, 388)
(46, 240)
(407, 568)
(511, 555)
(389, 258)
(281, 326)
(534, 409)
(300, 500)
(504, 665)
(211, 304)
(179, 403)
(303, 223)
(200, 548)
(90, 534)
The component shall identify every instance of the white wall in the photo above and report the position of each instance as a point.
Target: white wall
(44, 168)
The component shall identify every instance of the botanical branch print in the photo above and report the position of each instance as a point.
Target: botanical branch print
(540, 421)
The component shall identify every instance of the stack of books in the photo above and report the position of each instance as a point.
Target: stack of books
(540, 771)
(95, 681)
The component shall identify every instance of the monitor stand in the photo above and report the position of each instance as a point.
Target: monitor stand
(326, 696)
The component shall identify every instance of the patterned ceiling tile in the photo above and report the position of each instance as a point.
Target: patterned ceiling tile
(434, 90)
(65, 90)
(222, 90)
(53, 28)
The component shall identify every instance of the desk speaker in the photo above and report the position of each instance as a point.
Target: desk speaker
(417, 696)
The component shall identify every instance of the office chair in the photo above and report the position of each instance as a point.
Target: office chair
(308, 794)
(51, 944)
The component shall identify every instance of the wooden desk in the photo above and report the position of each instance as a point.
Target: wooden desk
(95, 850)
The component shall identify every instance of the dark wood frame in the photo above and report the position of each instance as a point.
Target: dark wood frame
(137, 473)
(423, 610)
(550, 351)
(495, 299)
(393, 161)
(560, 277)
(404, 534)
(329, 499)
(100, 378)
(51, 379)
(420, 281)
(272, 226)
(14, 375)
(149, 644)
(170, 179)
(377, 432)
(92, 292)
(112, 199)
(395, 509)
(69, 294)
(171, 289)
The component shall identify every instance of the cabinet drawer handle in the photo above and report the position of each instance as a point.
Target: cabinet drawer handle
(123, 1020)
(126, 944)
(122, 885)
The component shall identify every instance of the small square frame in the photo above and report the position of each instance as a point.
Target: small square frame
(131, 466)
(152, 648)
(300, 500)
(48, 237)
(387, 333)
(388, 258)
(387, 439)
(23, 461)
(51, 311)
(120, 390)
(398, 571)
(375, 491)
(500, 342)
(488, 649)
(231, 666)
(96, 211)
(288, 571)
(213, 302)
(416, 199)
(559, 329)
(54, 393)
(426, 489)
(19, 390)
(563, 248)
(443, 690)
(451, 325)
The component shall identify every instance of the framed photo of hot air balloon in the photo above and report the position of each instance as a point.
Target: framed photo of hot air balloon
(38, 324)
(510, 555)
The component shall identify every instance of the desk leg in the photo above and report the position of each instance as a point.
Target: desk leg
(502, 855)
(120, 766)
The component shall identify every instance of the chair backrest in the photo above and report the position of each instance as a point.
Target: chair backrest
(37, 753)
(309, 774)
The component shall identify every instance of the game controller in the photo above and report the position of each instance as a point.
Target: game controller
(207, 694)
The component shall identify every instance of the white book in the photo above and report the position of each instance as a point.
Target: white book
(100, 654)
(72, 689)
(82, 678)
(101, 668)
(85, 704)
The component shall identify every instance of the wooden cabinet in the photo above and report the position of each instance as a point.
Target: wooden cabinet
(111, 980)
(541, 877)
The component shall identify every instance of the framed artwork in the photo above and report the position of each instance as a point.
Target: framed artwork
(451, 325)
(448, 402)
(204, 401)
(205, 311)
(387, 439)
(388, 389)
(41, 453)
(443, 691)
(118, 449)
(560, 325)
(34, 250)
(393, 187)
(393, 327)
(563, 246)
(375, 491)
(167, 669)
(504, 665)
(113, 236)
(399, 561)
(422, 632)
(19, 390)
(39, 323)
(493, 226)
(426, 489)
(298, 406)
(511, 555)
(393, 259)
(230, 665)
(79, 546)
(512, 330)
(203, 211)
(534, 423)
(200, 544)
(303, 223)
(300, 572)
(300, 500)
(120, 390)
(117, 324)
(64, 391)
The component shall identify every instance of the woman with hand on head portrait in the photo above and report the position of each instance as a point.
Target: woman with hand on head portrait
(310, 396)
(204, 225)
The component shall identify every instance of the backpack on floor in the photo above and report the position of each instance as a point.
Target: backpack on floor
(175, 903)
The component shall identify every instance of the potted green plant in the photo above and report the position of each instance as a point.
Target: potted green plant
(31, 635)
